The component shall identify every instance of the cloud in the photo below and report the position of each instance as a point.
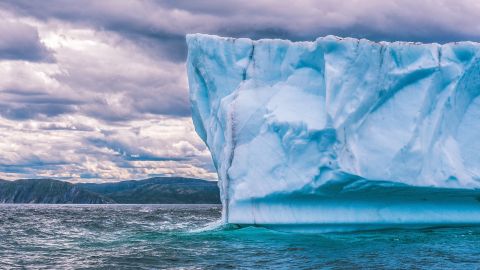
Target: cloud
(120, 79)
(22, 112)
(84, 148)
(29, 90)
(165, 22)
(307, 19)
(144, 22)
(95, 74)
(20, 41)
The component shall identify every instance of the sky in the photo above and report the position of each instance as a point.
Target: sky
(97, 90)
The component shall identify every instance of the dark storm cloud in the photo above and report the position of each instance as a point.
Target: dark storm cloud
(128, 18)
(160, 26)
(21, 42)
(29, 111)
(149, 104)
(409, 20)
(21, 105)
(36, 98)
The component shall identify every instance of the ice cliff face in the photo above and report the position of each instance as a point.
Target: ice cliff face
(340, 130)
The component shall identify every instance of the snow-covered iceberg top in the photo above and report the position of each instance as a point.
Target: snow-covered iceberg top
(333, 130)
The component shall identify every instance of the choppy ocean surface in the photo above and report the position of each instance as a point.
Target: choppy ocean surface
(171, 237)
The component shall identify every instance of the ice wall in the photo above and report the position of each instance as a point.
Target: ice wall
(339, 130)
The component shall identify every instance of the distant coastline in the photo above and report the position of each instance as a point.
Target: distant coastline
(157, 190)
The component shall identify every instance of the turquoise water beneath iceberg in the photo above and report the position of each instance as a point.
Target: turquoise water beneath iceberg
(188, 237)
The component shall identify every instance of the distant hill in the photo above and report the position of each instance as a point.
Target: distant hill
(162, 190)
(47, 191)
(158, 190)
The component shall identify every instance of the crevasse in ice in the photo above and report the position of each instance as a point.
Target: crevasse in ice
(339, 131)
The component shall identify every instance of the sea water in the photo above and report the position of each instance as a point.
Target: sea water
(190, 237)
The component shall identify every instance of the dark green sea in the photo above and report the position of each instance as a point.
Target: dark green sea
(188, 237)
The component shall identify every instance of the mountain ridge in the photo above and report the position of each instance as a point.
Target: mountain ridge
(156, 190)
(47, 191)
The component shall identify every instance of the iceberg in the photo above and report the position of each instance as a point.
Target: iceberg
(339, 133)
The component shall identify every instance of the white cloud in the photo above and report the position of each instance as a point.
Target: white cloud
(75, 147)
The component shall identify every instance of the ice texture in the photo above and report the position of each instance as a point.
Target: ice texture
(339, 131)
